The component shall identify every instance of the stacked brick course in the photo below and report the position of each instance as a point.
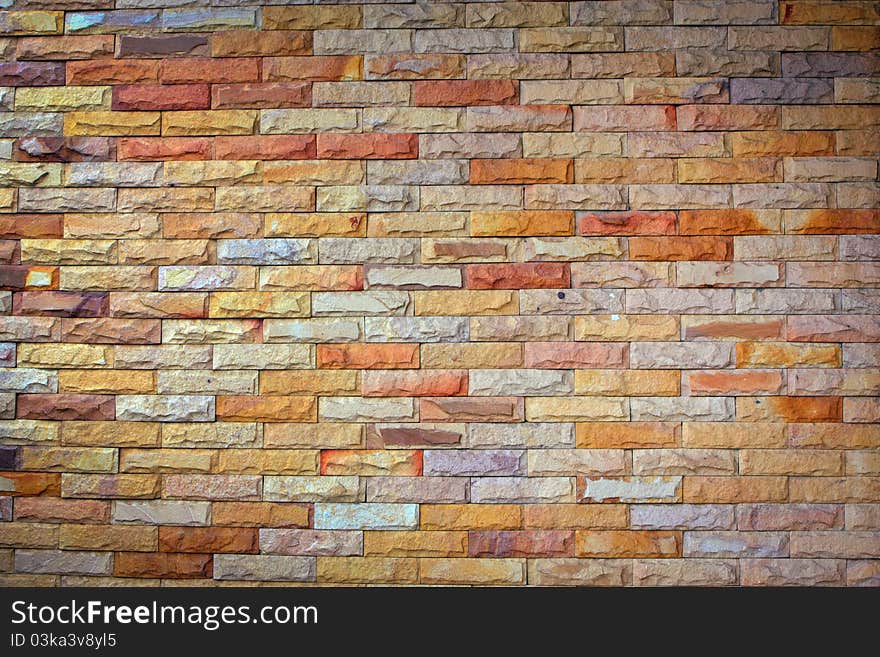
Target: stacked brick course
(545, 293)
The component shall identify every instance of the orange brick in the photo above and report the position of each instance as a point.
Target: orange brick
(452, 93)
(628, 544)
(729, 222)
(208, 539)
(521, 172)
(513, 223)
(216, 71)
(265, 147)
(163, 564)
(680, 248)
(517, 276)
(470, 516)
(368, 356)
(627, 435)
(260, 514)
(370, 146)
(734, 490)
(444, 383)
(149, 149)
(252, 408)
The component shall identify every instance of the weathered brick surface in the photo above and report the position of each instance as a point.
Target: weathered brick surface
(446, 293)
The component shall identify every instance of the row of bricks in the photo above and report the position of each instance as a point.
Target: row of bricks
(512, 409)
(445, 93)
(473, 435)
(444, 463)
(286, 59)
(164, 569)
(387, 287)
(476, 223)
(457, 15)
(597, 544)
(396, 198)
(345, 493)
(532, 366)
(507, 27)
(568, 517)
(445, 382)
(335, 312)
(542, 117)
(759, 338)
(442, 137)
(694, 168)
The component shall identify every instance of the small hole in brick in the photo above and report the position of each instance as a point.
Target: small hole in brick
(561, 295)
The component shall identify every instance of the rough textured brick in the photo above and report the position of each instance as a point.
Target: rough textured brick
(469, 293)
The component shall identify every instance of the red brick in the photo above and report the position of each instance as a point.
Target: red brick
(368, 356)
(31, 74)
(567, 355)
(513, 544)
(453, 93)
(66, 407)
(208, 539)
(261, 95)
(56, 509)
(163, 564)
(626, 223)
(265, 147)
(161, 97)
(383, 146)
(521, 171)
(218, 71)
(31, 226)
(62, 304)
(517, 276)
(155, 149)
(65, 149)
(113, 71)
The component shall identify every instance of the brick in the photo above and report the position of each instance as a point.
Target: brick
(464, 92)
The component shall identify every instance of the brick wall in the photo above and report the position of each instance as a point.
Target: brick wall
(540, 293)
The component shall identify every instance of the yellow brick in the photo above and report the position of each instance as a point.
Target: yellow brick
(474, 355)
(213, 122)
(644, 383)
(7, 200)
(29, 535)
(112, 124)
(107, 382)
(316, 224)
(491, 572)
(417, 224)
(25, 174)
(213, 173)
(522, 223)
(62, 99)
(259, 304)
(471, 516)
(108, 537)
(64, 355)
(415, 544)
(309, 382)
(315, 172)
(733, 435)
(67, 459)
(734, 490)
(268, 461)
(575, 516)
(110, 434)
(311, 18)
(783, 354)
(166, 461)
(466, 302)
(21, 23)
(626, 328)
(576, 409)
(367, 570)
(334, 435)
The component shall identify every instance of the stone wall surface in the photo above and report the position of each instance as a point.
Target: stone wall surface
(482, 293)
